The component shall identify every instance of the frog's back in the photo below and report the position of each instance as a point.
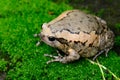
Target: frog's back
(75, 21)
(77, 34)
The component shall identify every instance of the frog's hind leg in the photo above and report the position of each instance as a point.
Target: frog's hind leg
(105, 50)
(98, 54)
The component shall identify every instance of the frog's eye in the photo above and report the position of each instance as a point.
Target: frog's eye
(51, 38)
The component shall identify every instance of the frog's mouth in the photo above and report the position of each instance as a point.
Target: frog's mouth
(46, 40)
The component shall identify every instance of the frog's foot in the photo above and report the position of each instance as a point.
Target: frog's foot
(105, 50)
(36, 35)
(56, 58)
(38, 43)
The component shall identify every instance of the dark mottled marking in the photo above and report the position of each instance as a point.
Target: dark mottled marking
(103, 27)
(76, 32)
(98, 32)
(97, 20)
(62, 41)
(85, 32)
(69, 24)
(90, 45)
(79, 50)
(88, 16)
(70, 31)
(90, 20)
(78, 28)
(84, 43)
(61, 52)
(81, 21)
(66, 30)
(75, 14)
(76, 42)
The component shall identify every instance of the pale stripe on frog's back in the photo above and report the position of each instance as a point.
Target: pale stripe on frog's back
(64, 14)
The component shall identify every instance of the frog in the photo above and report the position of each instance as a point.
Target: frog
(76, 34)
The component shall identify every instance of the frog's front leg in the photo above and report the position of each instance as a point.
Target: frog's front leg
(72, 56)
(37, 35)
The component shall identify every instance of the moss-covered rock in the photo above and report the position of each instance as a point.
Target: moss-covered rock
(22, 60)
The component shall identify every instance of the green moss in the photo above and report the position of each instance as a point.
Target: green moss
(19, 20)
(3, 64)
(117, 38)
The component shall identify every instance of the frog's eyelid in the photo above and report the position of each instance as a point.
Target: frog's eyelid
(51, 38)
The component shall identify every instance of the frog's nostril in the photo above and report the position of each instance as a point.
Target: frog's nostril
(41, 36)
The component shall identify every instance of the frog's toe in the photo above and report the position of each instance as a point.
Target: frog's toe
(48, 55)
(54, 60)
(38, 43)
(35, 35)
(106, 52)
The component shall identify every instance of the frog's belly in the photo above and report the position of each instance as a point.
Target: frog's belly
(88, 52)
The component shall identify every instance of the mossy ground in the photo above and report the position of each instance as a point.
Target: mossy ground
(20, 59)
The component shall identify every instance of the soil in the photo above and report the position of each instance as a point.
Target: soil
(2, 75)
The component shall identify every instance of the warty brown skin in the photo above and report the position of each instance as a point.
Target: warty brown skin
(77, 34)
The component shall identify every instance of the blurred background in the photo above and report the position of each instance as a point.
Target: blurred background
(20, 59)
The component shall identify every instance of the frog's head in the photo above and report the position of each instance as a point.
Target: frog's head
(48, 37)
